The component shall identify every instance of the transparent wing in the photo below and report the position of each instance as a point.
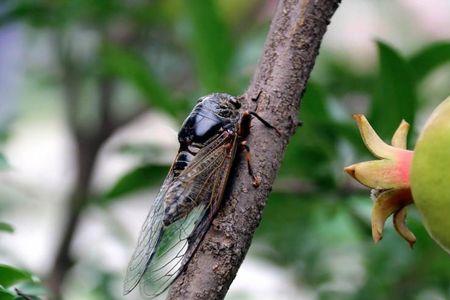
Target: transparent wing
(151, 233)
(160, 253)
(181, 238)
(167, 262)
(216, 196)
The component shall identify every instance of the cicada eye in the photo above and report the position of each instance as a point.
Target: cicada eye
(236, 104)
(225, 113)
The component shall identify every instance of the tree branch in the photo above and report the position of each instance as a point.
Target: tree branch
(289, 54)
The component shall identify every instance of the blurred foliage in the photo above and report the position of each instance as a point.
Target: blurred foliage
(16, 283)
(430, 58)
(165, 54)
(5, 227)
(142, 177)
(133, 68)
(12, 278)
(210, 43)
(395, 96)
(3, 163)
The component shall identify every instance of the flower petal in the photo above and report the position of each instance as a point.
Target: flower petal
(379, 174)
(399, 139)
(400, 226)
(386, 204)
(371, 139)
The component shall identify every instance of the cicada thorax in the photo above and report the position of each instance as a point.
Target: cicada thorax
(212, 124)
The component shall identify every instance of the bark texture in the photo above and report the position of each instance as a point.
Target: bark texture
(289, 54)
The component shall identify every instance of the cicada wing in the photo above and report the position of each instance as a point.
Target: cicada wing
(180, 239)
(151, 234)
(168, 258)
(216, 196)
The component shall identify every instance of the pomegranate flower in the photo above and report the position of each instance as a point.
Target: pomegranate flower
(388, 177)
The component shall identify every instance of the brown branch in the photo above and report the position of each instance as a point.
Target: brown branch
(87, 144)
(289, 54)
(88, 140)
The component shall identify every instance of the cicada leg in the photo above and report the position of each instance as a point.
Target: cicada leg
(244, 127)
(244, 131)
(267, 124)
(256, 180)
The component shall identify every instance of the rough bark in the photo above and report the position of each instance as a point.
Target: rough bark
(289, 54)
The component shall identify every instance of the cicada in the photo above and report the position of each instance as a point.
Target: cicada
(191, 193)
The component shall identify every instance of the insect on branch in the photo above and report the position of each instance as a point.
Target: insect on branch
(289, 54)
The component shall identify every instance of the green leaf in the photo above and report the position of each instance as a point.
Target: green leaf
(311, 151)
(33, 12)
(56, 14)
(210, 43)
(10, 276)
(6, 227)
(6, 294)
(32, 290)
(137, 71)
(137, 179)
(313, 105)
(395, 95)
(339, 79)
(429, 58)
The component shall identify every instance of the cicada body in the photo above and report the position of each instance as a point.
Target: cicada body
(190, 195)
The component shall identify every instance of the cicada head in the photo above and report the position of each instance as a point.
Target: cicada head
(224, 106)
(212, 115)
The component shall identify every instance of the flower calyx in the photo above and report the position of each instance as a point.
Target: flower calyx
(388, 177)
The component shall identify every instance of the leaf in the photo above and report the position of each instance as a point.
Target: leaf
(10, 276)
(210, 43)
(136, 70)
(310, 152)
(33, 12)
(32, 290)
(58, 13)
(313, 105)
(142, 177)
(429, 58)
(339, 79)
(5, 227)
(395, 96)
(6, 294)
